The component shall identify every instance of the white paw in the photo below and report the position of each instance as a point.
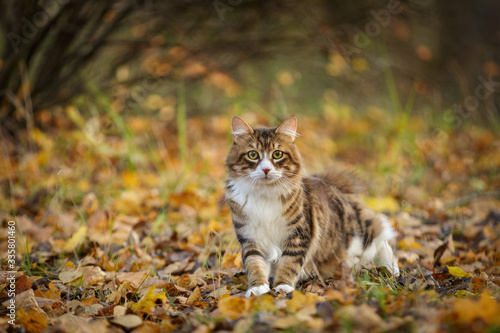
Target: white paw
(257, 291)
(284, 287)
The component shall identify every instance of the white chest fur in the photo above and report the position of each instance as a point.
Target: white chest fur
(265, 223)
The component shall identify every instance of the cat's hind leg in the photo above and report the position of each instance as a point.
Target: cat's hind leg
(385, 255)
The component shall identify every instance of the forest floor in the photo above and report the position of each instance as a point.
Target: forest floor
(118, 227)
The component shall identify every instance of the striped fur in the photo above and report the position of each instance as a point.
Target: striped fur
(290, 225)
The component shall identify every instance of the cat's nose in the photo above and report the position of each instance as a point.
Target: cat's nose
(266, 170)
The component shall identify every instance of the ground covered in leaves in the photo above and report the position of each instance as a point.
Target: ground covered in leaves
(119, 227)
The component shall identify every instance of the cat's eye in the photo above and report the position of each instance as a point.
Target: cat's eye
(277, 154)
(253, 155)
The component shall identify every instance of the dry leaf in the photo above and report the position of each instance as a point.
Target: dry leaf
(128, 322)
(234, 307)
(70, 276)
(92, 275)
(300, 301)
(75, 240)
(134, 278)
(90, 203)
(149, 301)
(32, 321)
(195, 295)
(219, 292)
(486, 308)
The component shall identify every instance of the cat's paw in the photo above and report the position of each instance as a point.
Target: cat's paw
(285, 288)
(258, 290)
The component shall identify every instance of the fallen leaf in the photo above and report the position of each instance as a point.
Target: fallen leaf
(149, 301)
(119, 311)
(457, 272)
(382, 204)
(69, 276)
(335, 295)
(75, 240)
(116, 295)
(478, 284)
(195, 295)
(285, 322)
(232, 260)
(263, 303)
(408, 243)
(90, 203)
(22, 284)
(234, 307)
(219, 292)
(362, 317)
(128, 322)
(438, 253)
(134, 278)
(92, 275)
(486, 308)
(52, 293)
(32, 321)
(300, 301)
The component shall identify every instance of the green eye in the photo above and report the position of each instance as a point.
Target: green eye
(253, 155)
(277, 154)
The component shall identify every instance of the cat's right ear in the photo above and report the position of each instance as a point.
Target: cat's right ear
(240, 128)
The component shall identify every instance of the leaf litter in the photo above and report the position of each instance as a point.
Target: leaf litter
(105, 247)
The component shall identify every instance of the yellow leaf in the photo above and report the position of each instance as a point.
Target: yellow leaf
(408, 243)
(149, 301)
(456, 271)
(77, 239)
(382, 204)
(263, 303)
(234, 307)
(300, 301)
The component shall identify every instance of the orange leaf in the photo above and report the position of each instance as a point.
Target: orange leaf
(234, 307)
(486, 308)
(32, 321)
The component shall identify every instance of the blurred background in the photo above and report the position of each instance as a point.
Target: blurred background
(102, 96)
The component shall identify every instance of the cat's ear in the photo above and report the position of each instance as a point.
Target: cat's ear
(288, 128)
(240, 128)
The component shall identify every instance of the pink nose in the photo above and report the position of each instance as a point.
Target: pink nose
(266, 170)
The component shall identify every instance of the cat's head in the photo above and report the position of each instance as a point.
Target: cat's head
(264, 157)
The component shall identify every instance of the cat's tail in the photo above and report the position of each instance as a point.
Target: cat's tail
(346, 181)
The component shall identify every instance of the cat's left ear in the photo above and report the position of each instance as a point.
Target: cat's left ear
(288, 128)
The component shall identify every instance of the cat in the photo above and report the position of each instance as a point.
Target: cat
(289, 225)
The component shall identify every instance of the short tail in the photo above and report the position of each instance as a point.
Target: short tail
(346, 181)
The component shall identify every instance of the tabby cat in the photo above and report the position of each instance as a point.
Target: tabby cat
(290, 225)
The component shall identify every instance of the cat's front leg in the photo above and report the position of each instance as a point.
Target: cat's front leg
(289, 268)
(256, 268)
(294, 255)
